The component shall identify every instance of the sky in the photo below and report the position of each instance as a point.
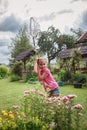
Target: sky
(62, 14)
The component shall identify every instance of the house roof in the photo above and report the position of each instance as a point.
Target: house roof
(68, 52)
(83, 38)
(24, 55)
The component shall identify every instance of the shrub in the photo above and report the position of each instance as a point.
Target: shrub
(17, 68)
(78, 77)
(31, 77)
(3, 71)
(64, 75)
(14, 78)
(61, 75)
(29, 65)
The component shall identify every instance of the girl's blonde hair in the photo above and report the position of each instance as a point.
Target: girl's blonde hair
(41, 58)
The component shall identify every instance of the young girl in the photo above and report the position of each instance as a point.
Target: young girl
(45, 76)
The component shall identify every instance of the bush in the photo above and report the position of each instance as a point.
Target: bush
(64, 75)
(31, 77)
(78, 77)
(30, 66)
(17, 68)
(14, 78)
(3, 71)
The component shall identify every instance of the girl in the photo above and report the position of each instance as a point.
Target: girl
(45, 76)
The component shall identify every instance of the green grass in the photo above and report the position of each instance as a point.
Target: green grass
(11, 93)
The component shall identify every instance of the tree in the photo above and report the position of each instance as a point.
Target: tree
(67, 41)
(21, 42)
(47, 43)
(77, 32)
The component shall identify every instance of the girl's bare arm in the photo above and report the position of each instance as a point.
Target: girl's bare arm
(35, 66)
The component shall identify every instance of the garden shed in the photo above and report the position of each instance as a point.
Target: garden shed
(24, 56)
(66, 54)
(72, 53)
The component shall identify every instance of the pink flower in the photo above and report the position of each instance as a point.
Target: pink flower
(78, 106)
(26, 94)
(71, 96)
(15, 107)
(65, 99)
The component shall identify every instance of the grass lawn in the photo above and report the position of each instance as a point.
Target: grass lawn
(11, 93)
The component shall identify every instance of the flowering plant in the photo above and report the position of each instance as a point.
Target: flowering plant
(39, 112)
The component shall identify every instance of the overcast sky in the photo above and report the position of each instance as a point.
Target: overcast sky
(62, 14)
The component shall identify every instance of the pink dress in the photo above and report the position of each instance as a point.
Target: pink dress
(49, 81)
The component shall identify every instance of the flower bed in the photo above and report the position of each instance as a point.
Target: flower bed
(38, 112)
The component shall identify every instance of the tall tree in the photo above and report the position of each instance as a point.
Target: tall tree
(67, 41)
(78, 32)
(21, 42)
(47, 42)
